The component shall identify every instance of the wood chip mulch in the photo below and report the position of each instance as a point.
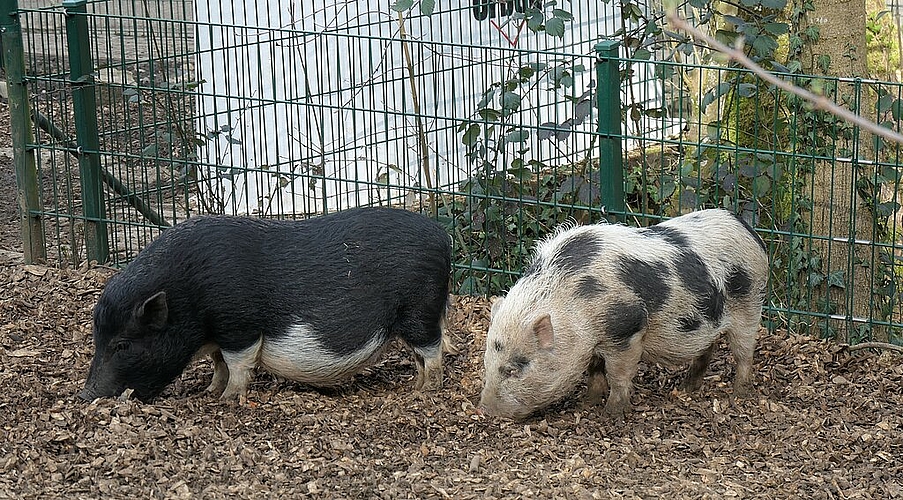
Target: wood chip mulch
(824, 422)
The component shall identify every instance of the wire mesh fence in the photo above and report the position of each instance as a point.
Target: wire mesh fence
(494, 130)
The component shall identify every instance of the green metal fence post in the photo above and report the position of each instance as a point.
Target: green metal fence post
(608, 100)
(28, 192)
(84, 103)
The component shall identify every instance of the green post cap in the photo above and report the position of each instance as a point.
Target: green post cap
(605, 45)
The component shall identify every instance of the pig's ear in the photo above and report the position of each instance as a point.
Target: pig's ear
(496, 302)
(154, 312)
(542, 328)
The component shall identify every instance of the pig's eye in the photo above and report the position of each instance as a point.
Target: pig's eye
(497, 346)
(509, 371)
(120, 345)
(515, 367)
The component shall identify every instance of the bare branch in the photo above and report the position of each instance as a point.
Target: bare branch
(875, 345)
(818, 101)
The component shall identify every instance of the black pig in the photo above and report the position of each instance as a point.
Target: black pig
(313, 301)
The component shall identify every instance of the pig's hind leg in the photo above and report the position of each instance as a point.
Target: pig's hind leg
(428, 341)
(741, 336)
(422, 328)
(429, 368)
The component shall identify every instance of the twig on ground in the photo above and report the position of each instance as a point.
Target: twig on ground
(818, 101)
(875, 345)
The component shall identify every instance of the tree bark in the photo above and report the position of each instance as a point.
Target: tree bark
(838, 211)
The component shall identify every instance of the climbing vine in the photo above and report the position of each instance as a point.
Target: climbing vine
(745, 146)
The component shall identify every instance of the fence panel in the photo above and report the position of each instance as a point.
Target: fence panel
(291, 110)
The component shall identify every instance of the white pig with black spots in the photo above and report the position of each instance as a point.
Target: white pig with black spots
(598, 298)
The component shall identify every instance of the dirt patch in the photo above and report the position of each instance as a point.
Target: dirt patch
(823, 423)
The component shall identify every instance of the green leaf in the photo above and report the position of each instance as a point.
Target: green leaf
(887, 209)
(427, 7)
(519, 135)
(738, 22)
(667, 189)
(489, 114)
(567, 80)
(562, 14)
(510, 101)
(815, 279)
(642, 54)
(526, 71)
(765, 45)
(774, 4)
(470, 137)
(535, 19)
(776, 29)
(885, 102)
(837, 279)
(761, 186)
(555, 27)
(747, 89)
(546, 130)
(896, 109)
(715, 93)
(726, 37)
(149, 150)
(402, 5)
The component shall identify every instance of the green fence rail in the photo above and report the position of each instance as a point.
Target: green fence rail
(129, 117)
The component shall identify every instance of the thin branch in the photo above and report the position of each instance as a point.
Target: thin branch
(818, 101)
(875, 345)
(418, 122)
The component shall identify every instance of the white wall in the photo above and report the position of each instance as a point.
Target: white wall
(321, 87)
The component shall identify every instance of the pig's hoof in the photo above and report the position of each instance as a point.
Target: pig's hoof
(429, 383)
(690, 384)
(743, 391)
(593, 399)
(616, 412)
(232, 394)
(215, 388)
(448, 346)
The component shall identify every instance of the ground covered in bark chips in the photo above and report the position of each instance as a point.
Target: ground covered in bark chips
(824, 422)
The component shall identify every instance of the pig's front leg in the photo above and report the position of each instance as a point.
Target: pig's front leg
(240, 368)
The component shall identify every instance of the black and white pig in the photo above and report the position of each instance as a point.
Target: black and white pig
(597, 298)
(314, 301)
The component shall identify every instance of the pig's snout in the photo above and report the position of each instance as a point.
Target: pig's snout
(87, 395)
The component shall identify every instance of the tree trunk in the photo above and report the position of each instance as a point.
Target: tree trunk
(838, 210)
